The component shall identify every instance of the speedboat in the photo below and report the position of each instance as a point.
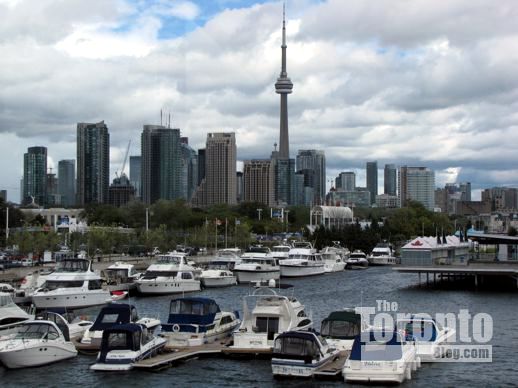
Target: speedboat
(11, 315)
(267, 314)
(72, 285)
(381, 356)
(257, 265)
(121, 277)
(430, 336)
(303, 260)
(76, 326)
(197, 321)
(217, 275)
(37, 343)
(300, 354)
(114, 314)
(169, 275)
(340, 328)
(125, 344)
(357, 260)
(382, 254)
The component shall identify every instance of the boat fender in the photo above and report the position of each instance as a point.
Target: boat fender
(176, 327)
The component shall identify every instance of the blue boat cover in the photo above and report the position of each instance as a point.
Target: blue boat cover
(377, 345)
(120, 337)
(114, 314)
(185, 312)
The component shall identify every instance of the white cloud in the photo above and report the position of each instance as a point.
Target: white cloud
(184, 10)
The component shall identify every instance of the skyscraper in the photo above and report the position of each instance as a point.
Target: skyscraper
(346, 181)
(161, 163)
(93, 163)
(372, 180)
(416, 184)
(258, 182)
(135, 174)
(189, 169)
(314, 160)
(219, 184)
(390, 179)
(35, 176)
(67, 182)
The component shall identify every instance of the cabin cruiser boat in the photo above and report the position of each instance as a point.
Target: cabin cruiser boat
(257, 265)
(357, 260)
(340, 328)
(121, 277)
(72, 285)
(382, 254)
(217, 275)
(29, 284)
(197, 321)
(281, 252)
(303, 260)
(125, 344)
(430, 336)
(266, 314)
(11, 315)
(300, 354)
(381, 356)
(333, 261)
(37, 343)
(231, 256)
(109, 316)
(169, 275)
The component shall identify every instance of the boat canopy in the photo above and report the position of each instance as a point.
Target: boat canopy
(186, 312)
(38, 330)
(377, 346)
(298, 345)
(341, 325)
(114, 314)
(121, 337)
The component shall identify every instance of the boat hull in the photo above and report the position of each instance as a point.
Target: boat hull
(247, 276)
(334, 267)
(37, 355)
(381, 260)
(167, 287)
(291, 271)
(218, 281)
(299, 368)
(72, 300)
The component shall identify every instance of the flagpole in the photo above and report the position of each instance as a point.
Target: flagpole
(226, 227)
(216, 223)
(235, 233)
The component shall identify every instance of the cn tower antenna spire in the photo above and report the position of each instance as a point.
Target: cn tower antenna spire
(284, 86)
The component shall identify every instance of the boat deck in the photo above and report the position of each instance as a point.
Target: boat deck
(332, 369)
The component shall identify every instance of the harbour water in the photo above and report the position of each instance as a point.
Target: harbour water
(321, 295)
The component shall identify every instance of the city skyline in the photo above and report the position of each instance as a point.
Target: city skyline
(421, 90)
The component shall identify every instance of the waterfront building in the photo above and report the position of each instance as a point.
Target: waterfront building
(93, 163)
(219, 185)
(121, 191)
(35, 176)
(372, 180)
(258, 182)
(346, 181)
(135, 174)
(436, 250)
(390, 179)
(314, 161)
(416, 184)
(161, 163)
(67, 182)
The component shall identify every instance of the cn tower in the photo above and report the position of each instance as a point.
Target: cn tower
(283, 86)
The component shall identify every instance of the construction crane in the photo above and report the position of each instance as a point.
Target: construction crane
(124, 162)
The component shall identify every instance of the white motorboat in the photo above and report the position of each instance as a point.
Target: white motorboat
(72, 285)
(230, 256)
(257, 265)
(281, 252)
(114, 314)
(382, 254)
(357, 260)
(121, 277)
(333, 261)
(217, 275)
(171, 274)
(29, 284)
(10, 314)
(340, 328)
(123, 345)
(197, 321)
(303, 260)
(300, 354)
(382, 357)
(266, 314)
(430, 336)
(37, 343)
(76, 326)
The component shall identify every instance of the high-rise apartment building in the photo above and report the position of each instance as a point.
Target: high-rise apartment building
(346, 181)
(189, 169)
(258, 182)
(372, 180)
(314, 160)
(416, 184)
(219, 184)
(390, 179)
(35, 176)
(67, 182)
(93, 163)
(135, 175)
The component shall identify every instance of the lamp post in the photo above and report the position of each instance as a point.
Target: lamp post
(287, 222)
(259, 211)
(147, 219)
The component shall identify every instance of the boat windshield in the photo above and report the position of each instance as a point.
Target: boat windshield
(296, 346)
(256, 260)
(218, 265)
(37, 331)
(116, 273)
(340, 329)
(73, 266)
(167, 259)
(122, 341)
(5, 300)
(55, 284)
(281, 249)
(258, 250)
(155, 274)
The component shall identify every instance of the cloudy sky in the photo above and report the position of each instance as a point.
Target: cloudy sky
(416, 82)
